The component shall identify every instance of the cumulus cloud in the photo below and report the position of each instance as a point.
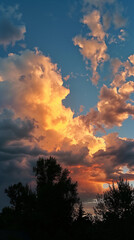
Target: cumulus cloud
(18, 149)
(99, 19)
(34, 122)
(115, 16)
(119, 153)
(37, 122)
(35, 90)
(113, 107)
(94, 48)
(14, 129)
(122, 70)
(10, 31)
(93, 22)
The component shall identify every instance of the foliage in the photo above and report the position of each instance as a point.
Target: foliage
(56, 194)
(54, 210)
(21, 197)
(51, 206)
(116, 203)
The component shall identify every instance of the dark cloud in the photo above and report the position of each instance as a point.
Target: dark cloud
(70, 158)
(14, 129)
(10, 31)
(17, 158)
(118, 154)
(18, 148)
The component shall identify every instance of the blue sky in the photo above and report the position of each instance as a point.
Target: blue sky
(67, 89)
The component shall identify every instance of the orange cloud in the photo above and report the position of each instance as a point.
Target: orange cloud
(93, 22)
(93, 49)
(81, 108)
(67, 77)
(35, 90)
(122, 70)
(32, 91)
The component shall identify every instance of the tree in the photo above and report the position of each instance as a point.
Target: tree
(23, 205)
(56, 194)
(117, 203)
(21, 197)
(57, 197)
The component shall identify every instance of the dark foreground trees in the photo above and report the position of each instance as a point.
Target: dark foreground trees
(56, 197)
(54, 211)
(117, 203)
(115, 211)
(50, 209)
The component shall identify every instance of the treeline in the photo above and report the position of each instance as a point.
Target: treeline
(54, 210)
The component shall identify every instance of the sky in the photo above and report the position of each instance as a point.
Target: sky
(67, 91)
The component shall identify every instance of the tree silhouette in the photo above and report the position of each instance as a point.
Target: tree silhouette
(117, 202)
(51, 206)
(115, 210)
(56, 196)
(23, 204)
(21, 197)
(55, 187)
(54, 211)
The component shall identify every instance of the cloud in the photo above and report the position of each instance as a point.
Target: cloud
(32, 90)
(34, 122)
(94, 48)
(93, 22)
(99, 18)
(14, 129)
(107, 18)
(10, 32)
(115, 103)
(11, 12)
(122, 35)
(118, 20)
(75, 156)
(113, 15)
(122, 70)
(18, 150)
(32, 87)
(67, 77)
(113, 107)
(81, 108)
(119, 153)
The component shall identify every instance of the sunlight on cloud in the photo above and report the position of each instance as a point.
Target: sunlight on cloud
(35, 89)
(34, 120)
(93, 48)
